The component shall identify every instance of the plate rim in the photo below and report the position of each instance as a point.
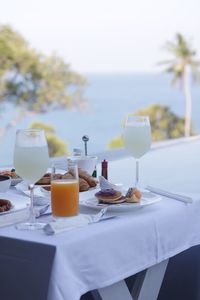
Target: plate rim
(14, 181)
(15, 200)
(120, 206)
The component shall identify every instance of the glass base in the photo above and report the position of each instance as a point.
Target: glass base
(30, 226)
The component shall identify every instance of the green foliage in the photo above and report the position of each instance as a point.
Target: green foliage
(35, 82)
(182, 55)
(57, 147)
(49, 129)
(116, 142)
(183, 66)
(164, 125)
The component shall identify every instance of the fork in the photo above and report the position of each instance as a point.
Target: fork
(97, 217)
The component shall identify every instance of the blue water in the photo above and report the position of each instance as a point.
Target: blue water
(110, 97)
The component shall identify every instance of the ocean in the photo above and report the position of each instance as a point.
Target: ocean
(110, 97)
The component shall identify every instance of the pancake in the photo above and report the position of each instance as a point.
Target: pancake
(109, 196)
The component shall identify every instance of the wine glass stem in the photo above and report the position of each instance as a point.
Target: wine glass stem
(32, 213)
(137, 173)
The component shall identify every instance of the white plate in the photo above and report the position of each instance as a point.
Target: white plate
(7, 211)
(40, 197)
(14, 181)
(19, 202)
(48, 193)
(23, 187)
(91, 201)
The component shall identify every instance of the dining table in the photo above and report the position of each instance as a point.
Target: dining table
(138, 240)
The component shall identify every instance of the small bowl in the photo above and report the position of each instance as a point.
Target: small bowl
(5, 182)
(86, 163)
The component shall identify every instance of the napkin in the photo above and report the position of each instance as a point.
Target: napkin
(68, 223)
(168, 194)
(40, 198)
(104, 184)
(14, 217)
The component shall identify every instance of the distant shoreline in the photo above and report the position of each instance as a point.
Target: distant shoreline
(111, 97)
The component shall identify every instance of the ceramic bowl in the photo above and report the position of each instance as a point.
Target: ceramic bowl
(86, 163)
(5, 182)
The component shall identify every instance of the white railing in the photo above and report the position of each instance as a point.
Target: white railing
(116, 154)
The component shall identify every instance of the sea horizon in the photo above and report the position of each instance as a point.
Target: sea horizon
(110, 97)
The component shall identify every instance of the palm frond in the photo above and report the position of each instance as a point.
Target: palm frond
(177, 78)
(183, 55)
(166, 62)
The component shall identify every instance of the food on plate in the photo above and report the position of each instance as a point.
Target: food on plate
(5, 205)
(11, 173)
(46, 179)
(90, 180)
(67, 176)
(86, 181)
(110, 196)
(83, 185)
(133, 195)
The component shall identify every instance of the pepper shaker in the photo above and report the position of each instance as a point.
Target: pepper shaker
(104, 169)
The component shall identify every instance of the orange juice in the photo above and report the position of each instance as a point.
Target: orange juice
(64, 197)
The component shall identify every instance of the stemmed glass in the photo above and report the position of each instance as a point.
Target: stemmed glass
(31, 160)
(137, 138)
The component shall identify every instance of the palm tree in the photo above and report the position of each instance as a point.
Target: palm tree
(184, 66)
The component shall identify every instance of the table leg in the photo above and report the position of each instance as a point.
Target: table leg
(116, 291)
(147, 284)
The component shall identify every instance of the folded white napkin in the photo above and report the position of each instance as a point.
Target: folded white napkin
(68, 223)
(40, 198)
(14, 217)
(168, 194)
(104, 184)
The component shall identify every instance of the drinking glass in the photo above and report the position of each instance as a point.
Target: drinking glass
(137, 138)
(31, 160)
(65, 190)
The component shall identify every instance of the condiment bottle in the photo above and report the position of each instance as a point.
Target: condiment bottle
(104, 169)
(94, 174)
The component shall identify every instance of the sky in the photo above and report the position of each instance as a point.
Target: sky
(104, 35)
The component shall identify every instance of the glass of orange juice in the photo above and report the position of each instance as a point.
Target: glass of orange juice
(65, 192)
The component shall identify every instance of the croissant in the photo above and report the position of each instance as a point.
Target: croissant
(67, 176)
(85, 180)
(90, 180)
(83, 185)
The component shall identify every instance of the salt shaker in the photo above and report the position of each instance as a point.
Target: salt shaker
(77, 152)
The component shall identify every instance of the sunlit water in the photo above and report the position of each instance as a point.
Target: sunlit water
(110, 98)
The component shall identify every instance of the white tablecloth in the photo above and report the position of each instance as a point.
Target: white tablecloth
(100, 254)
